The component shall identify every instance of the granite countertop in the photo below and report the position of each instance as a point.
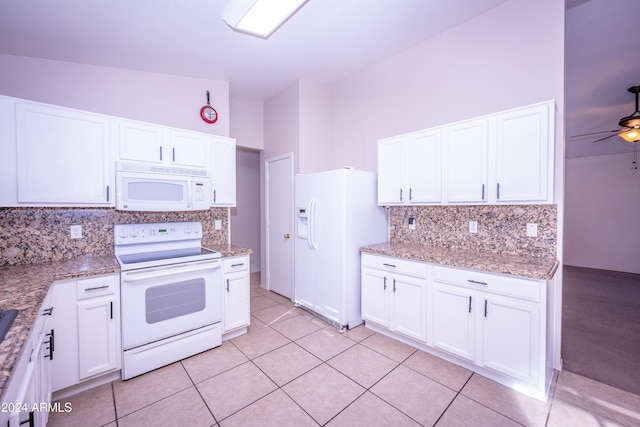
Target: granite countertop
(229, 250)
(515, 265)
(24, 287)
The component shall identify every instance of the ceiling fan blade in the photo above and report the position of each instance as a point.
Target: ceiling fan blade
(606, 137)
(594, 133)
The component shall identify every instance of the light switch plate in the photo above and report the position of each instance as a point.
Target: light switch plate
(218, 224)
(532, 230)
(473, 226)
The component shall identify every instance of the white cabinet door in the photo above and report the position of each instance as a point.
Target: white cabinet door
(64, 368)
(375, 297)
(467, 156)
(512, 341)
(424, 166)
(236, 300)
(97, 349)
(63, 157)
(142, 142)
(409, 312)
(391, 174)
(189, 148)
(454, 311)
(523, 166)
(223, 171)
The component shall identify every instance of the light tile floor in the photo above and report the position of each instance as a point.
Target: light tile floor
(292, 369)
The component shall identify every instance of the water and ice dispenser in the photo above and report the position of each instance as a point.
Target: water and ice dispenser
(303, 222)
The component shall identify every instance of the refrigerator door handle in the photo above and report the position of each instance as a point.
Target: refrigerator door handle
(312, 223)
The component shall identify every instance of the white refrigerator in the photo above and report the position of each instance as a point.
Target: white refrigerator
(336, 214)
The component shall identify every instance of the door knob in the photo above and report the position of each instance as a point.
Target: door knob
(286, 236)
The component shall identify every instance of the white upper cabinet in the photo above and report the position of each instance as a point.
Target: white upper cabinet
(467, 156)
(62, 157)
(410, 168)
(223, 172)
(506, 157)
(524, 156)
(145, 142)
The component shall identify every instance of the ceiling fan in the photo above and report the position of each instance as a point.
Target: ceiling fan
(630, 125)
(630, 131)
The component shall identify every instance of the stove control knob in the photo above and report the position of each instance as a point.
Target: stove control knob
(123, 234)
(188, 230)
(134, 233)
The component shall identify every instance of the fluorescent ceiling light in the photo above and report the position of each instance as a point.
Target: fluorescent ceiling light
(259, 17)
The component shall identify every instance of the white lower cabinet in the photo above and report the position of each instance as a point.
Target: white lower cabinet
(28, 393)
(394, 295)
(235, 289)
(491, 323)
(86, 324)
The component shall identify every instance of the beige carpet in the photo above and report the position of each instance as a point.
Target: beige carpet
(601, 326)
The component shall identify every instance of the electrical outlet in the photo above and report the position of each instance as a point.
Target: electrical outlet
(532, 230)
(473, 226)
(76, 232)
(412, 223)
(218, 224)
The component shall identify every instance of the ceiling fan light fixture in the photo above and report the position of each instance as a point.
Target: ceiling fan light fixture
(259, 17)
(632, 121)
(631, 135)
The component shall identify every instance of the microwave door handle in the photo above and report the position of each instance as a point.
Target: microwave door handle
(137, 276)
(190, 192)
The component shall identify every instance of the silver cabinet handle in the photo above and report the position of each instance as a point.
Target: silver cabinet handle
(388, 265)
(214, 196)
(173, 153)
(385, 283)
(498, 190)
(485, 308)
(477, 282)
(401, 194)
(227, 285)
(107, 193)
(161, 152)
(469, 303)
(410, 193)
(394, 285)
(95, 288)
(482, 191)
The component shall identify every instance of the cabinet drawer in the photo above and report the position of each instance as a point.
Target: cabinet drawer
(235, 264)
(396, 265)
(528, 289)
(96, 286)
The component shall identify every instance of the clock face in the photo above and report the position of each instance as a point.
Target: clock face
(208, 114)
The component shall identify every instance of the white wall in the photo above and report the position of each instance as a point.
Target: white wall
(602, 208)
(245, 217)
(247, 123)
(508, 57)
(316, 147)
(150, 97)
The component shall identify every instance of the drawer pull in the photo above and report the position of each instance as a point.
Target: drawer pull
(227, 285)
(477, 282)
(394, 285)
(389, 265)
(95, 288)
(241, 264)
(485, 308)
(469, 303)
(385, 283)
(47, 311)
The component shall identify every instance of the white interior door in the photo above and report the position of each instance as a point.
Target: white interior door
(279, 224)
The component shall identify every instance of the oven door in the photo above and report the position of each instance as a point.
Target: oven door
(164, 301)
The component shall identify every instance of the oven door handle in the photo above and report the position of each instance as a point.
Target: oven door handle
(136, 276)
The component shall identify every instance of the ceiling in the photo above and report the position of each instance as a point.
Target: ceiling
(325, 41)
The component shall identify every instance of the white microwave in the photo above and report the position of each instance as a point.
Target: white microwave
(142, 187)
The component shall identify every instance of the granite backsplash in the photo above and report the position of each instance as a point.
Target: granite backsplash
(35, 235)
(501, 228)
